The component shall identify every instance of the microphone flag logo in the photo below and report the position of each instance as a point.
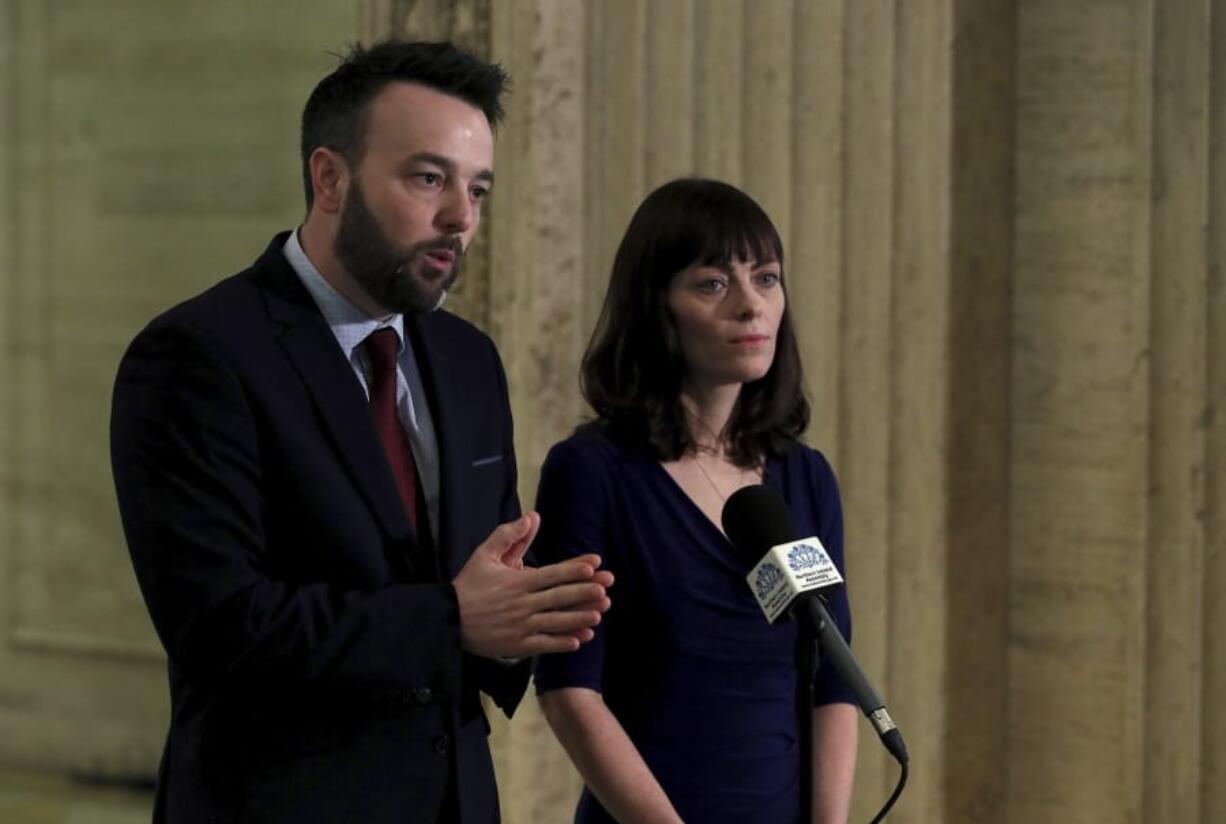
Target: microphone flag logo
(789, 570)
(804, 556)
(768, 577)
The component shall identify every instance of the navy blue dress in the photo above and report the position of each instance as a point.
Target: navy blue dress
(684, 659)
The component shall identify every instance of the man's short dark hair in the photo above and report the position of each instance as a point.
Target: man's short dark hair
(337, 112)
(633, 369)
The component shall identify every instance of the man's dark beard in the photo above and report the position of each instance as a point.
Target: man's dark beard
(385, 272)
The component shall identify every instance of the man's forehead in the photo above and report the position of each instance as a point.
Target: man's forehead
(418, 103)
(408, 118)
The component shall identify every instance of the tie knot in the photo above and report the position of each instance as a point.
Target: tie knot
(381, 345)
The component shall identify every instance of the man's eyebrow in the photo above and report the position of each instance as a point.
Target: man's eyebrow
(448, 165)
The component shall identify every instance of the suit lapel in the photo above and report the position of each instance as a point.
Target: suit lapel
(329, 379)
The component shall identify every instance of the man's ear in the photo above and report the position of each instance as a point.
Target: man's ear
(329, 179)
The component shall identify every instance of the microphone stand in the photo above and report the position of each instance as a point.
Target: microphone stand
(814, 618)
(807, 663)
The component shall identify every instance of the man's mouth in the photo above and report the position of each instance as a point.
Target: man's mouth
(441, 258)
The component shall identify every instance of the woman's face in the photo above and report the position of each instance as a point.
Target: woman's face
(727, 319)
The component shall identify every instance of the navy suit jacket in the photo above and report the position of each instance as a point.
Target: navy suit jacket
(314, 654)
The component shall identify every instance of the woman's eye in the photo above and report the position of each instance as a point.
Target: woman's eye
(710, 286)
(768, 278)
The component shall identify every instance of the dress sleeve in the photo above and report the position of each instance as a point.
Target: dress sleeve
(830, 687)
(573, 501)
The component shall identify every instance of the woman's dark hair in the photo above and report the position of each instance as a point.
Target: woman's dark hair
(633, 368)
(335, 115)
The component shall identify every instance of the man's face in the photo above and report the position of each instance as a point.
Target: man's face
(414, 201)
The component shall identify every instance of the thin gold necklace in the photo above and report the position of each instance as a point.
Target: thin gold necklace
(715, 450)
(739, 478)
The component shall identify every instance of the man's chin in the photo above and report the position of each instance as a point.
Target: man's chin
(427, 292)
(423, 298)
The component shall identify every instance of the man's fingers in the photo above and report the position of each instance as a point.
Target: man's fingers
(544, 643)
(512, 537)
(583, 635)
(582, 568)
(599, 605)
(564, 622)
(513, 555)
(566, 597)
(507, 610)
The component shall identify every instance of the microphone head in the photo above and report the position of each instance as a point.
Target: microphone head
(756, 518)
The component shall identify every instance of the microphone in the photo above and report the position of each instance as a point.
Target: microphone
(790, 578)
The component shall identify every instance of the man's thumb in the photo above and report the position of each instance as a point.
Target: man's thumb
(507, 543)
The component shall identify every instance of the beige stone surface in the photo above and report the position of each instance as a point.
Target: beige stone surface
(148, 151)
(1212, 733)
(1178, 449)
(865, 402)
(32, 798)
(977, 561)
(1080, 405)
(996, 221)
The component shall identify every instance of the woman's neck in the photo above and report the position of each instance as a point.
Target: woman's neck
(707, 412)
(709, 475)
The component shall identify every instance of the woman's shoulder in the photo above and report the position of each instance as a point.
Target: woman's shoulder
(592, 444)
(801, 458)
(588, 470)
(807, 482)
(804, 473)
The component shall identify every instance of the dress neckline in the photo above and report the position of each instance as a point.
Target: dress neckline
(694, 509)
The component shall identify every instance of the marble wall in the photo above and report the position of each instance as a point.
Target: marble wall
(999, 223)
(147, 149)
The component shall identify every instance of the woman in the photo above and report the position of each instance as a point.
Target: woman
(683, 707)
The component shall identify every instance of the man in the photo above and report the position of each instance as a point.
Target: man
(317, 482)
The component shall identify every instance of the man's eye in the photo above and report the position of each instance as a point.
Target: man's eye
(430, 178)
(480, 193)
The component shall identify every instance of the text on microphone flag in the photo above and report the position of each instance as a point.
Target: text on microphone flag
(789, 569)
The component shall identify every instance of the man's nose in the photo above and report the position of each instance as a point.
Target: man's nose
(455, 214)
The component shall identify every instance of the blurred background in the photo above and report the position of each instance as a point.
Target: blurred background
(1003, 224)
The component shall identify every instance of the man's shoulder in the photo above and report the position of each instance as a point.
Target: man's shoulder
(455, 339)
(217, 303)
(444, 325)
(228, 306)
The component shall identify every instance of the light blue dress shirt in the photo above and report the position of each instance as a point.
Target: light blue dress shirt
(351, 326)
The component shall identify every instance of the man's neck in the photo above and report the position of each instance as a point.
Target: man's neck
(318, 243)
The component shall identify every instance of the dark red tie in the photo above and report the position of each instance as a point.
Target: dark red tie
(381, 346)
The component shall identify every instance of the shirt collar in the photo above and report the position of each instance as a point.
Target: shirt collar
(348, 323)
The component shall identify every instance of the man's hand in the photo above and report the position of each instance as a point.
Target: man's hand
(508, 610)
